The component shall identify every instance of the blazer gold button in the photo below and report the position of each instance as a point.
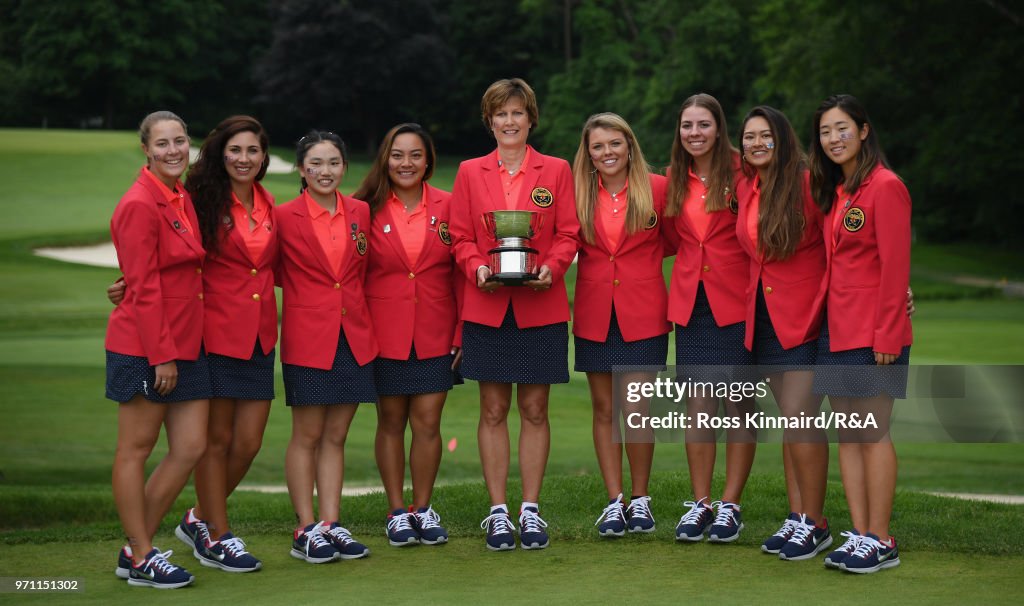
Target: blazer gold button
(199, 270)
(611, 258)
(256, 296)
(337, 285)
(707, 268)
(343, 311)
(615, 282)
(767, 290)
(253, 271)
(200, 296)
(411, 275)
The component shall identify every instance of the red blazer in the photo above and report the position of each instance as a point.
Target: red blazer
(413, 303)
(868, 255)
(718, 260)
(628, 276)
(161, 316)
(240, 301)
(791, 286)
(318, 303)
(478, 190)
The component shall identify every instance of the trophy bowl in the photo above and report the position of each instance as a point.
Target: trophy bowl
(513, 261)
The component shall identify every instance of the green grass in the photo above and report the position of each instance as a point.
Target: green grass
(57, 436)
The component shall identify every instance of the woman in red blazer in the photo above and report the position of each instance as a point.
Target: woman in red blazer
(779, 226)
(620, 303)
(327, 341)
(514, 335)
(867, 333)
(156, 368)
(410, 290)
(707, 304)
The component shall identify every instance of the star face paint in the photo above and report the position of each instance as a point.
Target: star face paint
(323, 168)
(841, 138)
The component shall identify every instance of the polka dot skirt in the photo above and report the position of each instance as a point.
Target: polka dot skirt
(345, 383)
(129, 376)
(854, 374)
(251, 379)
(509, 354)
(595, 356)
(414, 376)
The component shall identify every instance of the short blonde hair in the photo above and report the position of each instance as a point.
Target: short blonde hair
(499, 93)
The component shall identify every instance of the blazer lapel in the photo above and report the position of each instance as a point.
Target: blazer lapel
(306, 229)
(530, 179)
(350, 220)
(392, 237)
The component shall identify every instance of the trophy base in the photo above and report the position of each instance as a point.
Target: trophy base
(512, 278)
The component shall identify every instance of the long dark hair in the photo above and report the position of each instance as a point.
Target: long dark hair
(781, 223)
(312, 138)
(376, 187)
(720, 180)
(826, 174)
(208, 180)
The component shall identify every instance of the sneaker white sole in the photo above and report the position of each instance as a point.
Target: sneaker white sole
(636, 529)
(887, 564)
(820, 548)
(713, 538)
(611, 533)
(122, 573)
(295, 553)
(437, 541)
(536, 545)
(683, 538)
(155, 585)
(502, 547)
(347, 556)
(411, 541)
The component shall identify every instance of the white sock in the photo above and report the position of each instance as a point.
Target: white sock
(529, 504)
(502, 508)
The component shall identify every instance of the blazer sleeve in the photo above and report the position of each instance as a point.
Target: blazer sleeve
(567, 226)
(892, 212)
(137, 226)
(463, 227)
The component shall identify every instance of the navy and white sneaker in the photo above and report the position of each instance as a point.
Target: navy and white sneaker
(348, 548)
(531, 529)
(400, 530)
(189, 528)
(124, 562)
(612, 522)
(500, 531)
(639, 516)
(227, 553)
(872, 555)
(728, 523)
(428, 525)
(311, 545)
(836, 557)
(774, 543)
(155, 571)
(695, 522)
(808, 540)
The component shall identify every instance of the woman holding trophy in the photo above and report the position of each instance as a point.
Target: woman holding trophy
(514, 233)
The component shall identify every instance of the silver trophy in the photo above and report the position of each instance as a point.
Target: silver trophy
(513, 261)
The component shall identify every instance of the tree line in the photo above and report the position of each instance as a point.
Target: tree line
(941, 78)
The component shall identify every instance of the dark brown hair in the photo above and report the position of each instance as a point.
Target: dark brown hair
(208, 180)
(720, 180)
(781, 223)
(377, 186)
(826, 174)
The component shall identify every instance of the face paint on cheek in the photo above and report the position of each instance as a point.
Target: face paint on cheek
(230, 158)
(312, 173)
(769, 145)
(846, 136)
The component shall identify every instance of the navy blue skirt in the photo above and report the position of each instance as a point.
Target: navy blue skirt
(509, 354)
(769, 352)
(345, 383)
(854, 374)
(129, 376)
(595, 356)
(414, 376)
(702, 342)
(238, 379)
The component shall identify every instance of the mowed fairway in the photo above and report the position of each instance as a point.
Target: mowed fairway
(57, 436)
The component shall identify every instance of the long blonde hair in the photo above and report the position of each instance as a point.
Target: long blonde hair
(640, 200)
